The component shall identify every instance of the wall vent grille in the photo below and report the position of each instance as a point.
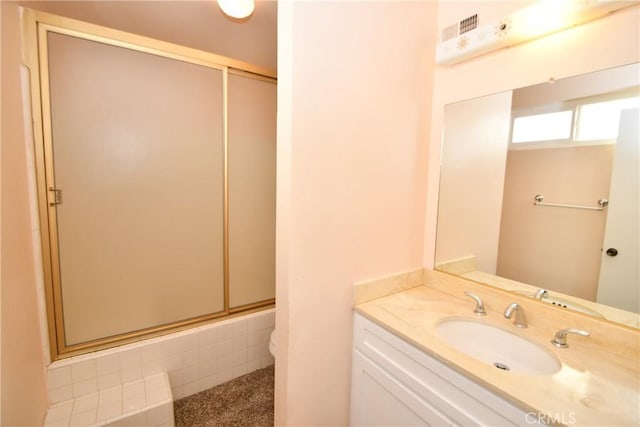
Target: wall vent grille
(469, 24)
(450, 32)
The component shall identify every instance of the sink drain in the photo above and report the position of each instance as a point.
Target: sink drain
(501, 366)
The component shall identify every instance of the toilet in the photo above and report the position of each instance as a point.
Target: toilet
(272, 343)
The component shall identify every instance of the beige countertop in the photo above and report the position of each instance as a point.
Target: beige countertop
(598, 383)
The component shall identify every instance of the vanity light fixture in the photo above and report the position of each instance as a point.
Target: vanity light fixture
(238, 9)
(537, 20)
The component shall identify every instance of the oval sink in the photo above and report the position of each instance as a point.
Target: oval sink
(498, 347)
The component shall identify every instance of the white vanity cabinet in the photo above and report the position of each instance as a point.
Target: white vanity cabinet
(395, 384)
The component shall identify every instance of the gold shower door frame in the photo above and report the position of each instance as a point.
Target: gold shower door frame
(36, 26)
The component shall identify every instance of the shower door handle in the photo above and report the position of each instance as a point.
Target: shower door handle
(57, 196)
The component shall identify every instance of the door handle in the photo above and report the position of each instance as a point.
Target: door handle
(612, 252)
(57, 196)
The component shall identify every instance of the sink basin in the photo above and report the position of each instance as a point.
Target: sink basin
(498, 347)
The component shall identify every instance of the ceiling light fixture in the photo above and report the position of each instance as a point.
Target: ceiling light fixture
(238, 9)
(537, 20)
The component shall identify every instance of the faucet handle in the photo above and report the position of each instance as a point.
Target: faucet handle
(560, 340)
(479, 310)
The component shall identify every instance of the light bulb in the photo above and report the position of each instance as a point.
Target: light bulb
(238, 9)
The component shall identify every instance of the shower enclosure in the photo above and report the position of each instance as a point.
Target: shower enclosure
(156, 183)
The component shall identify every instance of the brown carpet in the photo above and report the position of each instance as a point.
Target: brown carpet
(243, 401)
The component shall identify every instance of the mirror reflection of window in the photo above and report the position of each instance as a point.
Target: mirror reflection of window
(542, 127)
(601, 120)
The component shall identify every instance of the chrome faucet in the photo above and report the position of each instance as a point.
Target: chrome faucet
(479, 310)
(541, 293)
(560, 340)
(519, 319)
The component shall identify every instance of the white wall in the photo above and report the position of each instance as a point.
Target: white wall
(24, 398)
(354, 107)
(608, 42)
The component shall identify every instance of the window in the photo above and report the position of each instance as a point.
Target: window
(542, 127)
(599, 121)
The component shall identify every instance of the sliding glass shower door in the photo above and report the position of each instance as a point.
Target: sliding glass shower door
(156, 180)
(137, 149)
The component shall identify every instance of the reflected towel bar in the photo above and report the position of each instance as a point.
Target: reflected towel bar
(539, 198)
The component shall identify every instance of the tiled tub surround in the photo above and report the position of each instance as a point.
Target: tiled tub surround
(598, 383)
(194, 360)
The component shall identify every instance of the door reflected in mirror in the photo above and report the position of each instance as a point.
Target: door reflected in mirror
(539, 189)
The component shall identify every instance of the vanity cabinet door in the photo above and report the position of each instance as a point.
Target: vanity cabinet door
(393, 381)
(378, 399)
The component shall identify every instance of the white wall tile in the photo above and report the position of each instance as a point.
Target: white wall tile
(176, 392)
(190, 357)
(80, 388)
(190, 374)
(253, 365)
(224, 348)
(59, 377)
(133, 388)
(86, 403)
(109, 410)
(156, 382)
(175, 378)
(255, 337)
(267, 361)
(208, 337)
(207, 352)
(61, 394)
(151, 353)
(240, 357)
(160, 415)
(172, 362)
(131, 359)
(83, 371)
(239, 370)
(255, 352)
(224, 375)
(192, 387)
(225, 363)
(133, 403)
(208, 382)
(208, 367)
(133, 421)
(239, 342)
(211, 351)
(110, 395)
(86, 418)
(59, 411)
(225, 332)
(240, 327)
(151, 367)
(108, 364)
(131, 374)
(108, 380)
(156, 395)
(189, 342)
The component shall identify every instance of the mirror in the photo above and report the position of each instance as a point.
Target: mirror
(539, 191)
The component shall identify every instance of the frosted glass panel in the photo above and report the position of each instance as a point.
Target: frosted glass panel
(252, 190)
(137, 147)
